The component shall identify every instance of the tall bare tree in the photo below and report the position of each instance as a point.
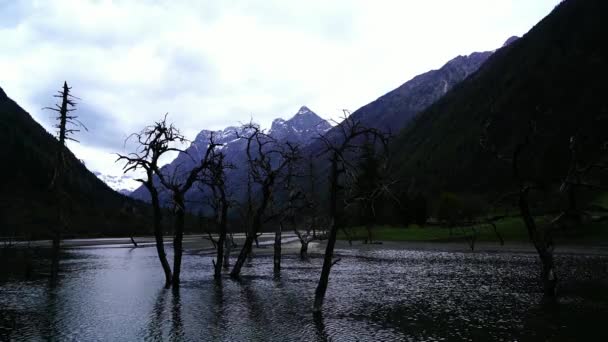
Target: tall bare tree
(178, 184)
(67, 125)
(287, 213)
(215, 178)
(311, 223)
(265, 167)
(541, 234)
(152, 143)
(340, 150)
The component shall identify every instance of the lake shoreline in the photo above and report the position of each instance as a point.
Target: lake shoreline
(201, 244)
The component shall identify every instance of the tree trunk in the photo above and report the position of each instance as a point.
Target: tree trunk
(221, 242)
(368, 227)
(327, 261)
(177, 242)
(331, 241)
(236, 270)
(220, 256)
(252, 234)
(55, 254)
(303, 249)
(277, 249)
(158, 235)
(228, 248)
(548, 274)
(543, 245)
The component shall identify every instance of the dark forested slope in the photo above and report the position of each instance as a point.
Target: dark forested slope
(554, 77)
(28, 208)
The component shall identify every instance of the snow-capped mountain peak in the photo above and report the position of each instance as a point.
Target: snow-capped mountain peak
(124, 184)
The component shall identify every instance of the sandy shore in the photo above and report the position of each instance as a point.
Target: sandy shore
(201, 244)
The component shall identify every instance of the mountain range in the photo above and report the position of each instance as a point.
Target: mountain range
(391, 111)
(301, 128)
(552, 79)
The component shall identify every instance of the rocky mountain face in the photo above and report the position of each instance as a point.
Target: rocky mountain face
(554, 77)
(394, 110)
(301, 129)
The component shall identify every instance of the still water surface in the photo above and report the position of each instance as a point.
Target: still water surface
(115, 294)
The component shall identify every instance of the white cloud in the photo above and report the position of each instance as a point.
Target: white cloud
(213, 64)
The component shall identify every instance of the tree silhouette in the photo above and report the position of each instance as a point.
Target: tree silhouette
(66, 121)
(340, 153)
(152, 143)
(266, 160)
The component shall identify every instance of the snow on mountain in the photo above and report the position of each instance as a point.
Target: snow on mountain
(123, 184)
(301, 129)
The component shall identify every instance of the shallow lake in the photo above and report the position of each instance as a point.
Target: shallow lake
(116, 294)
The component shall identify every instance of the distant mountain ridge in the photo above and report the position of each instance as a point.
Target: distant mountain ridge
(302, 128)
(554, 76)
(394, 110)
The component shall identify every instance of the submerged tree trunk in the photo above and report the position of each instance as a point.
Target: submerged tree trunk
(331, 241)
(227, 249)
(236, 270)
(222, 240)
(327, 263)
(277, 249)
(543, 244)
(252, 234)
(158, 236)
(220, 256)
(55, 254)
(177, 241)
(304, 249)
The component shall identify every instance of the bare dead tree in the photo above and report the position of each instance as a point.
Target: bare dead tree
(312, 226)
(152, 143)
(369, 182)
(265, 167)
(66, 128)
(339, 151)
(178, 184)
(541, 235)
(287, 215)
(577, 179)
(215, 179)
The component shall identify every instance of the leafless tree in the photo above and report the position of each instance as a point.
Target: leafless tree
(178, 184)
(215, 179)
(152, 143)
(541, 234)
(66, 128)
(369, 183)
(286, 215)
(265, 167)
(340, 152)
(312, 225)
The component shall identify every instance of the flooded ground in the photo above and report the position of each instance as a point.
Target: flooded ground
(375, 294)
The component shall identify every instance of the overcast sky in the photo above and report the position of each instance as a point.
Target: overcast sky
(211, 64)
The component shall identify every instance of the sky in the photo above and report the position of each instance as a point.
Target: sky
(212, 64)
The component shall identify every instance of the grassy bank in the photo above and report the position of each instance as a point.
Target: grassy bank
(510, 229)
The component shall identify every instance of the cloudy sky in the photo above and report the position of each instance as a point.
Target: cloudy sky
(211, 64)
